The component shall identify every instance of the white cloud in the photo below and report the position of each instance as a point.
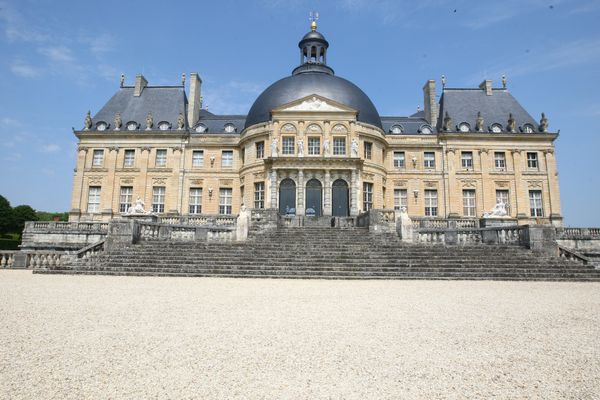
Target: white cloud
(100, 44)
(16, 28)
(61, 54)
(233, 97)
(24, 70)
(49, 148)
(10, 122)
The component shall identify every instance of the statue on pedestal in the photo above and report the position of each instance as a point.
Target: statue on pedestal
(274, 148)
(498, 211)
(326, 147)
(354, 148)
(300, 148)
(87, 123)
(242, 224)
(138, 208)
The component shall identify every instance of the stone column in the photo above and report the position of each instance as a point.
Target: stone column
(144, 163)
(273, 189)
(353, 193)
(300, 207)
(521, 198)
(452, 199)
(481, 205)
(181, 180)
(327, 194)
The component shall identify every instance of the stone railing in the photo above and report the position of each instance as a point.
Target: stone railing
(7, 258)
(201, 219)
(54, 226)
(577, 233)
(91, 250)
(148, 231)
(62, 236)
(32, 259)
(508, 235)
(378, 220)
(573, 255)
(444, 223)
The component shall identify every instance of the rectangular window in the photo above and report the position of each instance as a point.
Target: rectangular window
(532, 160)
(502, 196)
(125, 198)
(225, 201)
(431, 203)
(158, 199)
(259, 195)
(535, 203)
(93, 199)
(287, 145)
(98, 158)
(161, 158)
(398, 159)
(429, 160)
(500, 160)
(368, 146)
(260, 149)
(129, 158)
(339, 146)
(469, 209)
(466, 159)
(195, 200)
(367, 196)
(314, 146)
(197, 158)
(400, 199)
(227, 159)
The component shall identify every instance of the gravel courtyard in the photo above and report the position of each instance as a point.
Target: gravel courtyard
(75, 337)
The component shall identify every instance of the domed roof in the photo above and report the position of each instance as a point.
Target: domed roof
(313, 35)
(307, 83)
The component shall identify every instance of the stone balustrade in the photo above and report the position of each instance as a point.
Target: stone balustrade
(506, 235)
(444, 223)
(57, 226)
(147, 231)
(7, 258)
(200, 219)
(62, 236)
(32, 259)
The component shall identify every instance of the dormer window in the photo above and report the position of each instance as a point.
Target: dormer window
(527, 128)
(201, 128)
(229, 128)
(132, 126)
(496, 128)
(464, 127)
(425, 129)
(164, 126)
(101, 126)
(396, 129)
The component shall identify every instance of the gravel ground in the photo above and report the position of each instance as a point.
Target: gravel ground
(75, 337)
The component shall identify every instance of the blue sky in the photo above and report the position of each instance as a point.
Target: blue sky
(61, 58)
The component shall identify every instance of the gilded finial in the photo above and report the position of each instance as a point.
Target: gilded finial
(313, 17)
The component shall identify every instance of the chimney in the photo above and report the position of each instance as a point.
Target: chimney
(194, 100)
(431, 106)
(487, 86)
(140, 84)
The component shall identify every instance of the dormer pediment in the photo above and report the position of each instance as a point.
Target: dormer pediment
(314, 103)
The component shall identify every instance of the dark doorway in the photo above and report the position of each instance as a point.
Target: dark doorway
(339, 198)
(314, 194)
(287, 197)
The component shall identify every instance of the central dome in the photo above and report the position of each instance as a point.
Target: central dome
(313, 76)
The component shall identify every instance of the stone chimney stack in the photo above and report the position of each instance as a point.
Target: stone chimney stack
(487, 86)
(194, 100)
(140, 84)
(431, 106)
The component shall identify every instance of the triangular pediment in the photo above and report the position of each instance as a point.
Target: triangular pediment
(314, 103)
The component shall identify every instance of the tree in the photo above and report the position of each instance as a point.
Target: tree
(7, 216)
(21, 214)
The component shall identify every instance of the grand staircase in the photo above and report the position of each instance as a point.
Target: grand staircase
(329, 253)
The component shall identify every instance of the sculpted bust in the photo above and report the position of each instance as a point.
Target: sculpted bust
(180, 121)
(118, 121)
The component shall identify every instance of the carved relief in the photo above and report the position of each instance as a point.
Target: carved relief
(126, 180)
(313, 104)
(313, 128)
(339, 128)
(95, 180)
(259, 175)
(469, 183)
(159, 181)
(288, 128)
(225, 182)
(502, 184)
(430, 184)
(368, 176)
(535, 184)
(197, 181)
(399, 183)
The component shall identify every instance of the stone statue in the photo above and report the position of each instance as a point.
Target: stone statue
(122, 80)
(300, 148)
(274, 147)
(504, 81)
(479, 122)
(87, 123)
(242, 224)
(180, 121)
(406, 227)
(354, 148)
(149, 121)
(544, 123)
(498, 211)
(138, 208)
(511, 123)
(183, 79)
(326, 147)
(118, 121)
(447, 122)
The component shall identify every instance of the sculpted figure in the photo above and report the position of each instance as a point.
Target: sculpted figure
(180, 121)
(447, 122)
(479, 122)
(138, 208)
(300, 148)
(544, 123)
(87, 123)
(406, 227)
(511, 124)
(354, 148)
(122, 80)
(118, 121)
(242, 224)
(499, 210)
(149, 121)
(326, 147)
(274, 147)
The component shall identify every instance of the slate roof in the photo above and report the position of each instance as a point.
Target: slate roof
(462, 105)
(410, 125)
(164, 102)
(216, 123)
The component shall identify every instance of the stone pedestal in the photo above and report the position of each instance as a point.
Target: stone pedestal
(541, 239)
(140, 217)
(497, 222)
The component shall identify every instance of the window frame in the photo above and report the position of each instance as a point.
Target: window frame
(469, 202)
(466, 159)
(125, 199)
(367, 196)
(93, 206)
(311, 145)
(163, 160)
(259, 195)
(339, 150)
(225, 201)
(502, 159)
(195, 200)
(429, 163)
(98, 158)
(536, 212)
(158, 199)
(400, 199)
(533, 163)
(227, 162)
(288, 145)
(197, 162)
(431, 202)
(368, 150)
(399, 163)
(260, 149)
(128, 162)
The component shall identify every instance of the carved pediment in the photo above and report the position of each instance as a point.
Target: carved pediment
(314, 103)
(400, 183)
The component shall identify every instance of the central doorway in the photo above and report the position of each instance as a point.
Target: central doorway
(339, 198)
(287, 197)
(314, 194)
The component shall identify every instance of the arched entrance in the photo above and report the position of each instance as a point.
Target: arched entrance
(287, 197)
(339, 198)
(314, 194)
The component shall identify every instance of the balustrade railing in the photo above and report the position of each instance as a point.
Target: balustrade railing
(7, 258)
(161, 231)
(572, 255)
(510, 235)
(444, 223)
(56, 226)
(219, 220)
(577, 233)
